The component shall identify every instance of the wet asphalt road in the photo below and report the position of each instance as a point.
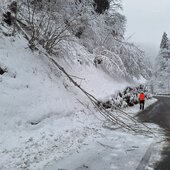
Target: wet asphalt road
(159, 113)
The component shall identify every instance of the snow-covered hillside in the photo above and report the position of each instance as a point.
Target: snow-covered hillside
(44, 118)
(74, 23)
(102, 36)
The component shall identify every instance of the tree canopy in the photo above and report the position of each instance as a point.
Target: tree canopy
(164, 42)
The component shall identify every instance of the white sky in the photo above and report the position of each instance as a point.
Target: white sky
(147, 20)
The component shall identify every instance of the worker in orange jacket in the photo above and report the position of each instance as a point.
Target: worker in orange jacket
(142, 100)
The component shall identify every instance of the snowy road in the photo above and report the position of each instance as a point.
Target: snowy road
(160, 114)
(104, 154)
(113, 151)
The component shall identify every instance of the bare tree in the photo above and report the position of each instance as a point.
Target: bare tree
(48, 27)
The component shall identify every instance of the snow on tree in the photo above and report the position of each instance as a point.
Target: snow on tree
(161, 76)
(53, 22)
(164, 41)
(110, 63)
(133, 58)
(164, 47)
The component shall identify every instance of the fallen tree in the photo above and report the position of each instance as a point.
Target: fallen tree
(119, 118)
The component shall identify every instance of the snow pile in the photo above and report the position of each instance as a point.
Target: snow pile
(128, 98)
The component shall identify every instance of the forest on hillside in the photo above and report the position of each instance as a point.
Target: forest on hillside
(96, 25)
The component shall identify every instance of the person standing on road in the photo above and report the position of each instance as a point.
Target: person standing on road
(142, 100)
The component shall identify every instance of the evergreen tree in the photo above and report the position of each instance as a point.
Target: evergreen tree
(164, 42)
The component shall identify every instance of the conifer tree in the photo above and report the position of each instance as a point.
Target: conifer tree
(164, 42)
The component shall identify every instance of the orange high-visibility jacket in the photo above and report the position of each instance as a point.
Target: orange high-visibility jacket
(142, 97)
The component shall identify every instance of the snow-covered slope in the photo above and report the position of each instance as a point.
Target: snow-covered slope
(44, 117)
(80, 64)
(32, 88)
(28, 88)
(34, 92)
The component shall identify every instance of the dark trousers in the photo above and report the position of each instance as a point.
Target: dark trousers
(142, 104)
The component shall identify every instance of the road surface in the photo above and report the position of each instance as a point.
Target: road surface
(159, 113)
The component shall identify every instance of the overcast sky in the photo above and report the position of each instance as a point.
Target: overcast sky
(146, 21)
